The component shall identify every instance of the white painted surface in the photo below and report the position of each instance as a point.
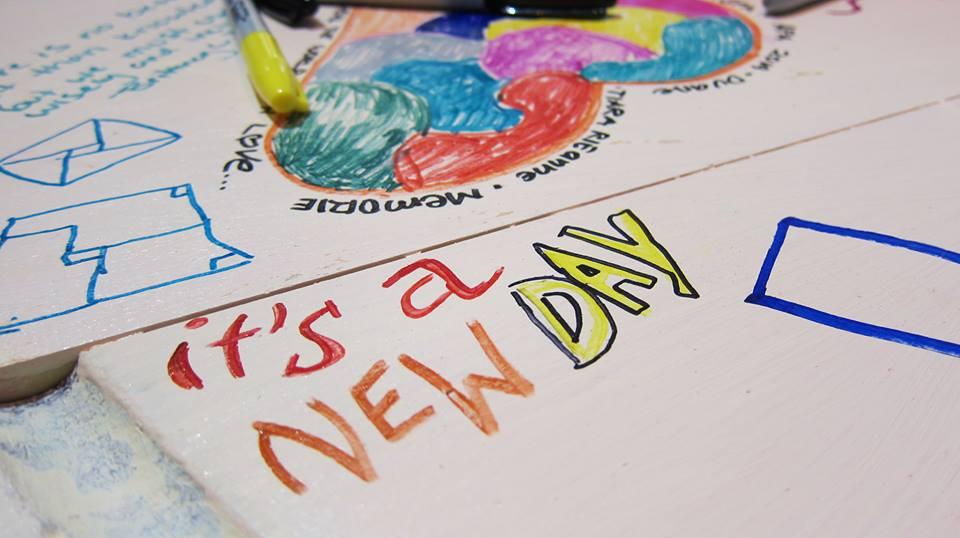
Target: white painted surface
(840, 71)
(708, 416)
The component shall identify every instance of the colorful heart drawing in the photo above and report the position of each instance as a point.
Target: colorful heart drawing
(407, 104)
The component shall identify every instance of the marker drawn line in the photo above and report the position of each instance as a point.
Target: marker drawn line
(49, 155)
(760, 288)
(121, 197)
(99, 145)
(135, 239)
(92, 301)
(759, 295)
(164, 139)
(857, 327)
(49, 138)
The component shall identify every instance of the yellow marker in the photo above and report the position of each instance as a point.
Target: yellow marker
(269, 72)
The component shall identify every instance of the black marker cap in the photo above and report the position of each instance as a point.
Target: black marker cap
(291, 12)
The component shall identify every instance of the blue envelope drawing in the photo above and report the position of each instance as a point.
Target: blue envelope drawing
(84, 150)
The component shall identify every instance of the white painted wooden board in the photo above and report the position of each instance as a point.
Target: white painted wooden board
(832, 72)
(708, 416)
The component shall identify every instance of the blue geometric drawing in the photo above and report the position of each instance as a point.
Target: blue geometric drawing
(760, 296)
(74, 257)
(84, 150)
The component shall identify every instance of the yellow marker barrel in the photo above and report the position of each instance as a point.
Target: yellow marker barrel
(269, 71)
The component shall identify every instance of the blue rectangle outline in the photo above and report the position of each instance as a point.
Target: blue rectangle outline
(759, 295)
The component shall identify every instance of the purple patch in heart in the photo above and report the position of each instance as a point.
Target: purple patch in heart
(555, 48)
